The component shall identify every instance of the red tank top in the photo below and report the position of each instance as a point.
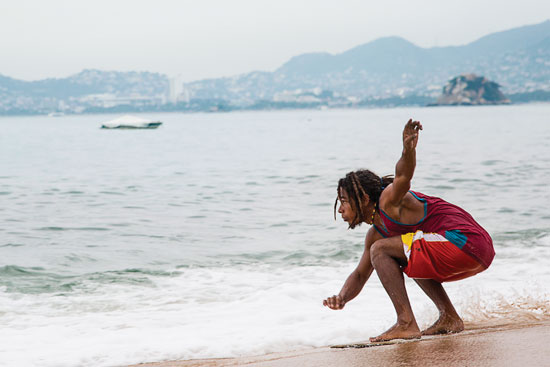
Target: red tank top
(448, 220)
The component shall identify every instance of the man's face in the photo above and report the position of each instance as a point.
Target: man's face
(345, 209)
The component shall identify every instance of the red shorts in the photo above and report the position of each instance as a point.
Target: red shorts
(432, 256)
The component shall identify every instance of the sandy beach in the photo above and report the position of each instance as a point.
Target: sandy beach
(489, 345)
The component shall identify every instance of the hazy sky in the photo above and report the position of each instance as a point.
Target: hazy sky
(212, 38)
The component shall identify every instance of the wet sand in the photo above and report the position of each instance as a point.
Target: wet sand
(496, 345)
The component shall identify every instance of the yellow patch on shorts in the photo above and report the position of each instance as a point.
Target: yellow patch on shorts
(407, 239)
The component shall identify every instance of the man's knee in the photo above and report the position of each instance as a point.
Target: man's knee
(392, 247)
(376, 250)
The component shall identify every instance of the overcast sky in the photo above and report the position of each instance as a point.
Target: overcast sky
(211, 38)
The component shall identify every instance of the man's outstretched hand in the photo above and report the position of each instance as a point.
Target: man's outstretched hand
(334, 302)
(410, 134)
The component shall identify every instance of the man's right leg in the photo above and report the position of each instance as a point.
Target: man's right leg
(388, 258)
(449, 321)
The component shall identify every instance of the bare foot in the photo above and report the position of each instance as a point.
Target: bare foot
(445, 325)
(398, 331)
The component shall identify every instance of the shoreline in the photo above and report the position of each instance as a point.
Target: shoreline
(479, 345)
(235, 109)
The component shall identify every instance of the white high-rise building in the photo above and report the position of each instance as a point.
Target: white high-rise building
(176, 87)
(178, 93)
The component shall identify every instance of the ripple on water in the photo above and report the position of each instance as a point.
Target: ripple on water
(442, 187)
(54, 228)
(118, 193)
(491, 162)
(279, 225)
(323, 204)
(12, 245)
(530, 237)
(464, 180)
(14, 220)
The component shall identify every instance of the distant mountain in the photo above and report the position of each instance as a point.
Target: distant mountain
(391, 54)
(518, 59)
(49, 95)
(89, 82)
(510, 40)
(387, 70)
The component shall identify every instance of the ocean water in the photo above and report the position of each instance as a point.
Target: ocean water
(214, 235)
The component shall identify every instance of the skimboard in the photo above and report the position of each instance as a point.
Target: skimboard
(378, 344)
(481, 329)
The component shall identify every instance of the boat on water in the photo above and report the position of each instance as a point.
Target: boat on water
(131, 122)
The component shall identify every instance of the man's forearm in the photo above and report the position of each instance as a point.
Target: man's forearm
(406, 164)
(353, 286)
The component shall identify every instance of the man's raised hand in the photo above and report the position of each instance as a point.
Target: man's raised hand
(410, 134)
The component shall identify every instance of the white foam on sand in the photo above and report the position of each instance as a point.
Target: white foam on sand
(244, 310)
(200, 313)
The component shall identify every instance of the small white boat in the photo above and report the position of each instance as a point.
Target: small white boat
(131, 122)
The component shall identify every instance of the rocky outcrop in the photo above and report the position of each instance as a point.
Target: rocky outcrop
(470, 89)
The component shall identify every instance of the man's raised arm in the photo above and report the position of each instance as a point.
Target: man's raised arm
(404, 169)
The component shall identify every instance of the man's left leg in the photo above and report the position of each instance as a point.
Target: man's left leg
(449, 321)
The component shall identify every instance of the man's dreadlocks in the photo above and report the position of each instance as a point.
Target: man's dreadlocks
(360, 185)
